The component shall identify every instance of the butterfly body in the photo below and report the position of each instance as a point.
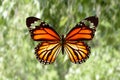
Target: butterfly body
(72, 44)
(63, 42)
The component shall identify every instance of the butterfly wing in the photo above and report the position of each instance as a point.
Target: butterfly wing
(84, 30)
(77, 51)
(41, 31)
(47, 51)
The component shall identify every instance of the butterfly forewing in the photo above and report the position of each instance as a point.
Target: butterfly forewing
(31, 20)
(41, 31)
(44, 33)
(79, 33)
(93, 19)
(83, 30)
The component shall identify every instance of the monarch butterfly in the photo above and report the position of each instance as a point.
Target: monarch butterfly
(51, 43)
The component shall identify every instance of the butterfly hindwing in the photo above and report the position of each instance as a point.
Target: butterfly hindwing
(41, 31)
(77, 51)
(46, 51)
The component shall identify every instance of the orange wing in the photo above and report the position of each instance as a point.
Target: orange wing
(84, 30)
(77, 51)
(41, 31)
(47, 51)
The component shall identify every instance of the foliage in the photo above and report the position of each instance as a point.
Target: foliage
(17, 59)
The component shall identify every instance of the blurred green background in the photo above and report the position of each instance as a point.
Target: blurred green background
(17, 59)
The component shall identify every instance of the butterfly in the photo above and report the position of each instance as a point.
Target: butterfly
(51, 43)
